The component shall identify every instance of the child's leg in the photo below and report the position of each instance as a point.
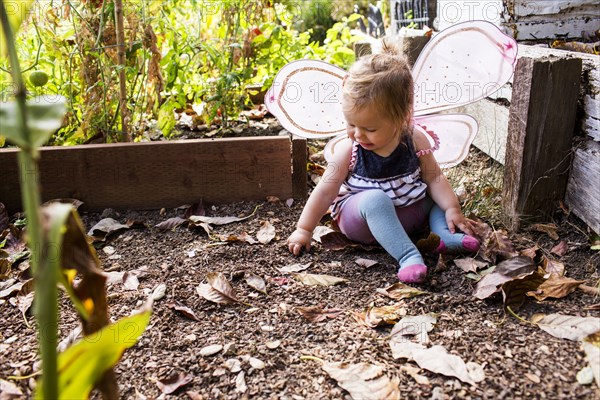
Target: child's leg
(450, 241)
(371, 216)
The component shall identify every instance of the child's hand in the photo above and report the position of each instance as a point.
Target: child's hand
(456, 219)
(299, 239)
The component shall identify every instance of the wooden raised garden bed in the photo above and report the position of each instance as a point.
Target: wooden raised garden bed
(138, 176)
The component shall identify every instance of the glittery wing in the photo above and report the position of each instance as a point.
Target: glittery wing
(462, 64)
(450, 135)
(305, 97)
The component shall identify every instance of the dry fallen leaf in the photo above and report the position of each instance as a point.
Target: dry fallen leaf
(549, 229)
(377, 316)
(338, 241)
(171, 223)
(105, 227)
(256, 282)
(414, 373)
(514, 291)
(186, 311)
(318, 314)
(469, 264)
(364, 381)
(318, 280)
(567, 326)
(218, 290)
(437, 359)
(504, 272)
(366, 263)
(174, 382)
(552, 267)
(295, 267)
(560, 249)
(399, 291)
(266, 233)
(410, 334)
(555, 286)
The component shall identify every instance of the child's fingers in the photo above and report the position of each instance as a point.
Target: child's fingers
(451, 226)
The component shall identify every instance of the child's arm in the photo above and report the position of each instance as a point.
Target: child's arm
(321, 198)
(439, 188)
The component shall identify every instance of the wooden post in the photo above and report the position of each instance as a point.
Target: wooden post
(540, 130)
(299, 159)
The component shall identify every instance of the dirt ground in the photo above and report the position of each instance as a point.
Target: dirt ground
(264, 341)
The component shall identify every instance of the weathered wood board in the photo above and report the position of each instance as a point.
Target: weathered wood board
(540, 131)
(583, 192)
(161, 174)
(550, 19)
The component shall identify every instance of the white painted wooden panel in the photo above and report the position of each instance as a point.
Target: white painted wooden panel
(540, 8)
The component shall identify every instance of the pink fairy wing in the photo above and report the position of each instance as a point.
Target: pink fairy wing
(305, 97)
(462, 64)
(450, 135)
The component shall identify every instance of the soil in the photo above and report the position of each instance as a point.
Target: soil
(520, 360)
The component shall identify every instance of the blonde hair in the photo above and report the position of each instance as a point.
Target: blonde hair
(383, 80)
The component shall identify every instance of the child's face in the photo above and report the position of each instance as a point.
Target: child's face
(372, 129)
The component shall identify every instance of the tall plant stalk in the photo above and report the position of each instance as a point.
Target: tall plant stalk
(120, 36)
(46, 307)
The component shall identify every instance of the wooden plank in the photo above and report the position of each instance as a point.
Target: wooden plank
(541, 30)
(540, 129)
(566, 8)
(299, 160)
(583, 189)
(158, 174)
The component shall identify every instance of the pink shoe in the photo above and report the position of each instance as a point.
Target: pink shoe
(414, 273)
(470, 244)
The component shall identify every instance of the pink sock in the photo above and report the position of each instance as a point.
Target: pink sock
(441, 249)
(470, 244)
(414, 273)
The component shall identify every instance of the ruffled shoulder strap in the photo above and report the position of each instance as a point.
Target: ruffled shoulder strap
(432, 137)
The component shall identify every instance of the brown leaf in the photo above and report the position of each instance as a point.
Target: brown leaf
(174, 382)
(217, 220)
(493, 243)
(548, 229)
(568, 327)
(531, 252)
(318, 313)
(504, 272)
(364, 381)
(218, 289)
(437, 359)
(580, 47)
(469, 264)
(171, 223)
(366, 263)
(256, 282)
(195, 209)
(514, 291)
(399, 291)
(338, 241)
(243, 237)
(560, 249)
(79, 256)
(266, 233)
(556, 286)
(552, 267)
(378, 316)
(184, 310)
(105, 227)
(295, 267)
(318, 280)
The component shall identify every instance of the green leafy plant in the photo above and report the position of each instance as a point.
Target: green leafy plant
(59, 249)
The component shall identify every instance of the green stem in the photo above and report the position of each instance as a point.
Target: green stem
(46, 308)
